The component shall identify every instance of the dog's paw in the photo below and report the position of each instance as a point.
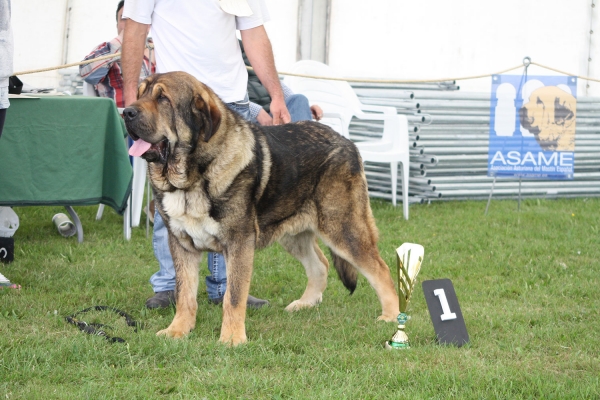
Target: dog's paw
(299, 304)
(176, 334)
(388, 318)
(233, 341)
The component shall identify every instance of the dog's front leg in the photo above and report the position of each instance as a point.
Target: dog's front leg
(186, 279)
(239, 258)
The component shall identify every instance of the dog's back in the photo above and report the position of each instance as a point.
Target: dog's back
(307, 160)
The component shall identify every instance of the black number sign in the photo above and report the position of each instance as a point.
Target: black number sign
(7, 249)
(445, 313)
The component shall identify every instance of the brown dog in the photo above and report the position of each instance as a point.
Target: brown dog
(223, 184)
(550, 116)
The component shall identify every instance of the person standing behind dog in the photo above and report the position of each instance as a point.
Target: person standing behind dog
(199, 37)
(297, 104)
(6, 70)
(106, 75)
(6, 58)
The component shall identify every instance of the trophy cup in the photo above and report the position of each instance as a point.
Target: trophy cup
(409, 257)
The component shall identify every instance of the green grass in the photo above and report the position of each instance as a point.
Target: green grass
(527, 283)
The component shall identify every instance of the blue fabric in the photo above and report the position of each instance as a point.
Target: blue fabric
(297, 105)
(241, 107)
(164, 279)
(96, 76)
(216, 282)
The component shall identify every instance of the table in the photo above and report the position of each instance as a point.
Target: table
(64, 150)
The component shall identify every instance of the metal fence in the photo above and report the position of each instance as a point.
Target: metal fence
(449, 136)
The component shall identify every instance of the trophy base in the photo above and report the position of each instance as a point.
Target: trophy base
(396, 345)
(399, 340)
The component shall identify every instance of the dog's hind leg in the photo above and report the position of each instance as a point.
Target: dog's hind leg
(186, 280)
(304, 247)
(349, 230)
(378, 274)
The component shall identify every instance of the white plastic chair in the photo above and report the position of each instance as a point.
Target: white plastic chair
(340, 103)
(133, 211)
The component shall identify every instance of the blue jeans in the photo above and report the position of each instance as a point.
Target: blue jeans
(164, 279)
(298, 107)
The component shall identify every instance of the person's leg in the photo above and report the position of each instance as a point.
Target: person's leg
(4, 104)
(216, 282)
(299, 108)
(163, 281)
(4, 281)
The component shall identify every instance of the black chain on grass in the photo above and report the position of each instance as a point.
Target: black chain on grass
(95, 329)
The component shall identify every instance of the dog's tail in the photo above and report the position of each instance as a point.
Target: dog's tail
(347, 273)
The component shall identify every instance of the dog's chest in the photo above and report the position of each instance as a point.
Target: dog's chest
(188, 213)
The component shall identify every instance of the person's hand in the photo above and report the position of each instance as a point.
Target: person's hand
(280, 113)
(264, 119)
(317, 112)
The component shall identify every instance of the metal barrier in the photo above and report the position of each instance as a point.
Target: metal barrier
(449, 136)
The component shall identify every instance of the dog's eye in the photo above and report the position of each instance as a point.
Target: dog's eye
(162, 97)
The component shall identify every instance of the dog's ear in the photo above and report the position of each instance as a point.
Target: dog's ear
(211, 115)
(143, 86)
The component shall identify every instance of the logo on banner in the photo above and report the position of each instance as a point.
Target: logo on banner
(532, 126)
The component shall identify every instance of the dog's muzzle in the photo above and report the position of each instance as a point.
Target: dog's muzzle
(130, 115)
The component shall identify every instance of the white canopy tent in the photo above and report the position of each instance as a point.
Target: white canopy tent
(382, 39)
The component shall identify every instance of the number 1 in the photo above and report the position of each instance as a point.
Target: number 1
(447, 315)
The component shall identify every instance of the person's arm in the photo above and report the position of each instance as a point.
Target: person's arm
(95, 72)
(263, 118)
(260, 54)
(259, 114)
(134, 40)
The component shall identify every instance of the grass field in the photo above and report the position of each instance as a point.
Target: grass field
(527, 283)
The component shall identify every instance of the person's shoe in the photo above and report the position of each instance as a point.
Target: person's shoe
(6, 284)
(252, 302)
(161, 299)
(10, 286)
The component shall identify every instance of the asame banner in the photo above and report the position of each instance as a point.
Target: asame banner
(532, 126)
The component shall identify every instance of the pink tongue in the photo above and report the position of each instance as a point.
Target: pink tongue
(138, 148)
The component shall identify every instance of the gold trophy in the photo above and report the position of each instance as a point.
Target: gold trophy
(409, 257)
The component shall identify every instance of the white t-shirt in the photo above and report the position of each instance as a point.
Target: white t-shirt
(198, 37)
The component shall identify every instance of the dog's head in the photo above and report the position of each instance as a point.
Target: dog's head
(550, 116)
(173, 117)
(172, 113)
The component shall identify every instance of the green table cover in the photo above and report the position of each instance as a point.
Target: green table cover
(64, 150)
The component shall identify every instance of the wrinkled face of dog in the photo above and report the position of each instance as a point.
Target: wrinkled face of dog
(174, 111)
(550, 116)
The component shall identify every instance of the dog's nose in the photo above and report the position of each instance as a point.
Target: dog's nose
(130, 113)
